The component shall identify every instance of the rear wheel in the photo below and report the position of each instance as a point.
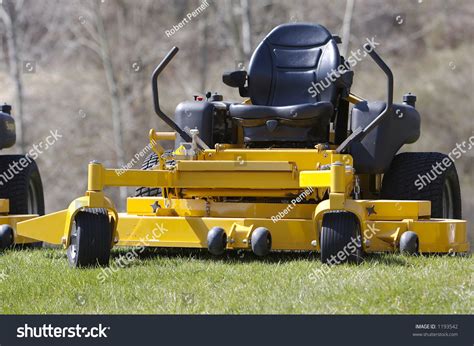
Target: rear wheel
(20, 182)
(91, 238)
(340, 238)
(425, 176)
(150, 161)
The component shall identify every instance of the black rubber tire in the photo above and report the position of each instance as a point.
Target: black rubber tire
(402, 181)
(22, 184)
(340, 234)
(409, 243)
(6, 237)
(261, 241)
(150, 161)
(91, 239)
(216, 241)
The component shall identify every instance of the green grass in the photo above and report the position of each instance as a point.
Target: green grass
(193, 282)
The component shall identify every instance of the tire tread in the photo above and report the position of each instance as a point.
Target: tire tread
(399, 181)
(149, 162)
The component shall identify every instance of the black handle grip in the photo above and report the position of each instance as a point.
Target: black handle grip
(383, 66)
(161, 66)
(359, 134)
(156, 100)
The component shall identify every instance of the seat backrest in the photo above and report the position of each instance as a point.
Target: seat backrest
(286, 63)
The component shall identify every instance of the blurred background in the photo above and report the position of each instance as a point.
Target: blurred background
(83, 68)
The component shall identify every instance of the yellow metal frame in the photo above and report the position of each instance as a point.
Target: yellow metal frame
(195, 198)
(13, 220)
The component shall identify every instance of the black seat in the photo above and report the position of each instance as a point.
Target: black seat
(306, 111)
(290, 60)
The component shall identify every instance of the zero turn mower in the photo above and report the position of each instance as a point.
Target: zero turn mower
(21, 190)
(287, 169)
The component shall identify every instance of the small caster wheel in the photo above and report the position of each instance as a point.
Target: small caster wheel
(91, 239)
(6, 236)
(261, 241)
(216, 241)
(409, 243)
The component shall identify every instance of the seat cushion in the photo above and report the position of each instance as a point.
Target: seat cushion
(306, 111)
(306, 124)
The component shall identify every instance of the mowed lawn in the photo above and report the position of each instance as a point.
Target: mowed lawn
(194, 282)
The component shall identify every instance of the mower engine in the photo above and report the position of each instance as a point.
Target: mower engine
(209, 117)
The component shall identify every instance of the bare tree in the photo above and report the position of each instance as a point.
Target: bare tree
(346, 27)
(204, 37)
(246, 28)
(94, 36)
(230, 18)
(112, 84)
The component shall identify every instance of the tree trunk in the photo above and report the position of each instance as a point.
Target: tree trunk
(114, 95)
(233, 25)
(346, 27)
(204, 29)
(246, 28)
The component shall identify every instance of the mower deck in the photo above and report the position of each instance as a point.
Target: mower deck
(184, 218)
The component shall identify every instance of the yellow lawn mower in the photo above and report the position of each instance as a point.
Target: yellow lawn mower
(292, 167)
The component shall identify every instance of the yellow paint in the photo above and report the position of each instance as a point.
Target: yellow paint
(164, 231)
(48, 228)
(13, 221)
(4, 206)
